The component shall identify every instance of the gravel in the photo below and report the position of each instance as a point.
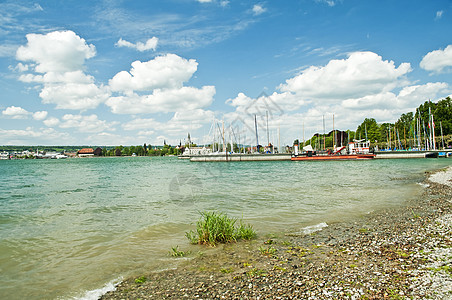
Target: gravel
(402, 253)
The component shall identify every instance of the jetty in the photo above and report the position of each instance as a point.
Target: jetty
(241, 157)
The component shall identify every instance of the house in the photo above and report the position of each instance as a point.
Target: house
(85, 152)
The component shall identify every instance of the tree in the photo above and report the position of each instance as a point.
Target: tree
(368, 129)
(443, 115)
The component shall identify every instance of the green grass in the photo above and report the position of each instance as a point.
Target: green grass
(175, 252)
(213, 228)
(140, 280)
(269, 251)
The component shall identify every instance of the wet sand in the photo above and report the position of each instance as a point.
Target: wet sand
(401, 253)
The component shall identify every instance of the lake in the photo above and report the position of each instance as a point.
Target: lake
(69, 228)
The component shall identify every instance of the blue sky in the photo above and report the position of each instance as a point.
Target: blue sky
(134, 72)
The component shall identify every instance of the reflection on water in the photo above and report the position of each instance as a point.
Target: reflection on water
(68, 226)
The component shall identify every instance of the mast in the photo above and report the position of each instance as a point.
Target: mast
(323, 132)
(433, 133)
(224, 145)
(279, 138)
(442, 137)
(257, 138)
(214, 129)
(390, 144)
(268, 138)
(418, 125)
(430, 139)
(334, 136)
(303, 133)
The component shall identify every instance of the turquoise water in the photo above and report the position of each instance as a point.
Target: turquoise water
(72, 226)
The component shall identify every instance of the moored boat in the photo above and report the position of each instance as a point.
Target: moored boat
(356, 150)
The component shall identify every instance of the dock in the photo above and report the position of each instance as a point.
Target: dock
(241, 157)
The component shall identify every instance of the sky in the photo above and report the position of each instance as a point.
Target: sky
(112, 73)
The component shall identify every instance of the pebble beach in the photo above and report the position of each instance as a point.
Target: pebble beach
(396, 253)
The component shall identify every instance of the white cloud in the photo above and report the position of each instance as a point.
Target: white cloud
(15, 112)
(168, 71)
(439, 14)
(151, 44)
(111, 139)
(258, 9)
(40, 115)
(167, 100)
(438, 61)
(77, 96)
(204, 1)
(32, 136)
(51, 122)
(86, 123)
(224, 3)
(58, 51)
(162, 79)
(361, 74)
(58, 58)
(181, 123)
(330, 3)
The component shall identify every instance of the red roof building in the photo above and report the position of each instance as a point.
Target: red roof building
(85, 152)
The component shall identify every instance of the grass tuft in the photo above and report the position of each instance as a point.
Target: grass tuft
(213, 228)
(175, 252)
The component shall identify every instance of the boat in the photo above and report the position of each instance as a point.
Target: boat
(356, 150)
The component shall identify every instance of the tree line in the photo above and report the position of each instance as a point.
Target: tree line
(144, 150)
(405, 133)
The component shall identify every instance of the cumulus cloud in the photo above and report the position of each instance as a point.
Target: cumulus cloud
(258, 9)
(51, 122)
(181, 123)
(15, 112)
(32, 136)
(58, 51)
(76, 96)
(40, 115)
(167, 100)
(167, 71)
(438, 61)
(161, 83)
(151, 44)
(361, 74)
(57, 61)
(89, 123)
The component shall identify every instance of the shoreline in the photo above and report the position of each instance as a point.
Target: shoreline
(395, 253)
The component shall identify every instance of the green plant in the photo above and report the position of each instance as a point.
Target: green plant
(227, 270)
(267, 251)
(213, 228)
(140, 280)
(176, 253)
(255, 273)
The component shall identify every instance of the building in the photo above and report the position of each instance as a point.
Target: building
(85, 152)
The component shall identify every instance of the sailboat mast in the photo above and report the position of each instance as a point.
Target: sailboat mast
(334, 136)
(257, 138)
(323, 132)
(268, 138)
(224, 145)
